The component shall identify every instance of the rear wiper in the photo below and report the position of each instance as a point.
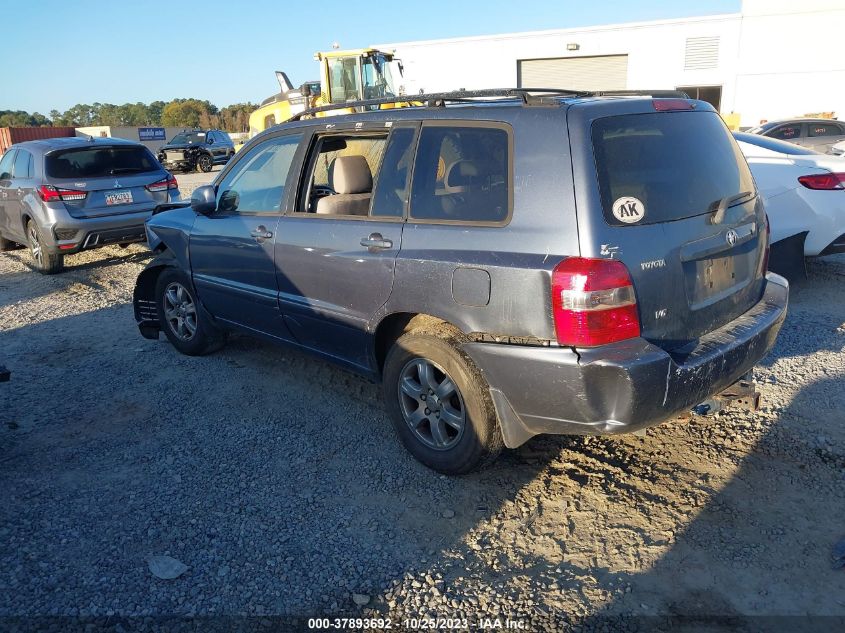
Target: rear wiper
(724, 203)
(124, 170)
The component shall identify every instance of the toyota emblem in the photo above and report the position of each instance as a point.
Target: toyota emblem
(731, 237)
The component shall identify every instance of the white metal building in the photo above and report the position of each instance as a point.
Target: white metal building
(773, 59)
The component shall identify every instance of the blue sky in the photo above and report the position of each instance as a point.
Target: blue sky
(60, 53)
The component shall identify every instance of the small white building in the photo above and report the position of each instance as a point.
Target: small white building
(773, 59)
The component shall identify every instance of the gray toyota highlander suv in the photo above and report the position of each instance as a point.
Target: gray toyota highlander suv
(64, 195)
(506, 263)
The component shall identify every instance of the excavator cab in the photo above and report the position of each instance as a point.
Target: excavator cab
(358, 75)
(345, 76)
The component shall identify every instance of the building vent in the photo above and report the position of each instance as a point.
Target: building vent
(606, 72)
(702, 52)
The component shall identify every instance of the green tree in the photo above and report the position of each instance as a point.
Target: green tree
(185, 112)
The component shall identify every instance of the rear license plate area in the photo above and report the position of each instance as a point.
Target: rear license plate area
(118, 197)
(714, 278)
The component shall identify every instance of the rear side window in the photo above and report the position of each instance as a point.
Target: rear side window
(462, 174)
(677, 164)
(825, 129)
(99, 162)
(23, 165)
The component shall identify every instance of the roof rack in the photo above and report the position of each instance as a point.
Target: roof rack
(528, 96)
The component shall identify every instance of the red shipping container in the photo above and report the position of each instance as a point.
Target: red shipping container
(11, 135)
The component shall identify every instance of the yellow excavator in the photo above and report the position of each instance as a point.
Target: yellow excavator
(350, 75)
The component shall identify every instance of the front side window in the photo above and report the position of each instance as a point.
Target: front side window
(462, 174)
(6, 164)
(786, 132)
(257, 182)
(342, 172)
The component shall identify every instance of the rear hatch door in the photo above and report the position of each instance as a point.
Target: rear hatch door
(115, 178)
(663, 187)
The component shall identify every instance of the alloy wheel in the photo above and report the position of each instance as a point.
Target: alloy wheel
(180, 312)
(35, 245)
(431, 404)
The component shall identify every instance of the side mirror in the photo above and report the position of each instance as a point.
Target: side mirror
(204, 200)
(210, 141)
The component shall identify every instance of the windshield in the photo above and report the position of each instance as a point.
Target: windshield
(676, 164)
(378, 79)
(98, 162)
(773, 144)
(188, 138)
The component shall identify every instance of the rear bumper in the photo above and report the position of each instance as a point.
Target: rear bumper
(87, 233)
(626, 386)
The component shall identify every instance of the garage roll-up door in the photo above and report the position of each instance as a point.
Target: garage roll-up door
(606, 72)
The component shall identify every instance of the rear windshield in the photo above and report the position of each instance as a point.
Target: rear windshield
(676, 164)
(99, 162)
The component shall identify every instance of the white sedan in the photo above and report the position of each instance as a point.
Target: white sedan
(803, 191)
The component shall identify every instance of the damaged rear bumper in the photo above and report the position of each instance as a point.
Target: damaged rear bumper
(622, 387)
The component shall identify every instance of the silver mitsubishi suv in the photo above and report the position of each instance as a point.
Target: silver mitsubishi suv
(61, 196)
(505, 263)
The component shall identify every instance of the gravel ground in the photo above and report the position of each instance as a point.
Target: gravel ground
(277, 481)
(191, 180)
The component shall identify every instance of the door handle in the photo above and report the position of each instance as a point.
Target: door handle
(261, 233)
(376, 242)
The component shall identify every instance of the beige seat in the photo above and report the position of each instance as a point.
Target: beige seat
(351, 178)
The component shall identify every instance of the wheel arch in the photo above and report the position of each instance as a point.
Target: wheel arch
(393, 325)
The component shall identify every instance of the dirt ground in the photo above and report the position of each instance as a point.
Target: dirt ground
(278, 481)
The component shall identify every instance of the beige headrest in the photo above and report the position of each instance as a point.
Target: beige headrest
(462, 173)
(350, 174)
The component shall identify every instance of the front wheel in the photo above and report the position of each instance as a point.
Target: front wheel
(181, 317)
(205, 163)
(46, 263)
(440, 403)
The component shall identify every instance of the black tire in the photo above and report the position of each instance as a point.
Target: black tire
(480, 440)
(44, 262)
(205, 163)
(186, 327)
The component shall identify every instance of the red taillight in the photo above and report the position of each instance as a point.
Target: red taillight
(823, 181)
(49, 193)
(666, 105)
(593, 302)
(164, 184)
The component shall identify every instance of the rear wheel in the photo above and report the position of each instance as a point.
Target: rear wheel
(46, 263)
(204, 163)
(440, 403)
(181, 318)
